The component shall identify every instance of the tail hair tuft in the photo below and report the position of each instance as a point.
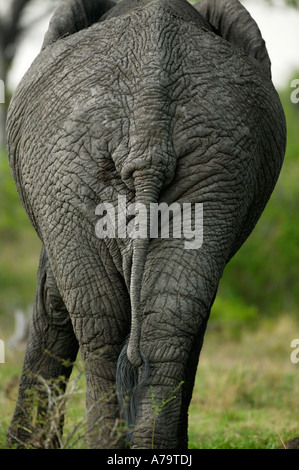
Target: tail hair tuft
(128, 384)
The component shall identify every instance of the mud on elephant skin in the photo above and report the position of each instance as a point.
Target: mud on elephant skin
(155, 101)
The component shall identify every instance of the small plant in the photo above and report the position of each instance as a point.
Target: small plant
(46, 405)
(159, 408)
(49, 401)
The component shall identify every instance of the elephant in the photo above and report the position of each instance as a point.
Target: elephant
(146, 102)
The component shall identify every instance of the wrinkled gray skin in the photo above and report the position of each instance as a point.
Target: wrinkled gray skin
(158, 101)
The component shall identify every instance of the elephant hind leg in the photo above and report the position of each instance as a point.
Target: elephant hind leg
(51, 350)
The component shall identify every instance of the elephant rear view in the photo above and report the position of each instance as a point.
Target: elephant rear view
(145, 141)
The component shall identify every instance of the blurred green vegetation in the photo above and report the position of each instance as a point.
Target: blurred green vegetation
(20, 248)
(262, 278)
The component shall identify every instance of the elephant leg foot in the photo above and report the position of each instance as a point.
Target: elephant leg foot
(105, 429)
(173, 329)
(176, 301)
(51, 351)
(99, 305)
(101, 335)
(158, 416)
(163, 402)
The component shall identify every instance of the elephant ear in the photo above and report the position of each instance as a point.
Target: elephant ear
(73, 15)
(230, 20)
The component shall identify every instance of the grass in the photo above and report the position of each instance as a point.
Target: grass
(9, 375)
(245, 396)
(72, 401)
(246, 390)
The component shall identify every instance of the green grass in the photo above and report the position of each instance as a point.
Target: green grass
(245, 395)
(9, 379)
(75, 431)
(246, 390)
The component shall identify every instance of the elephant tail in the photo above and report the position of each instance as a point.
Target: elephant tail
(133, 366)
(128, 385)
(147, 192)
